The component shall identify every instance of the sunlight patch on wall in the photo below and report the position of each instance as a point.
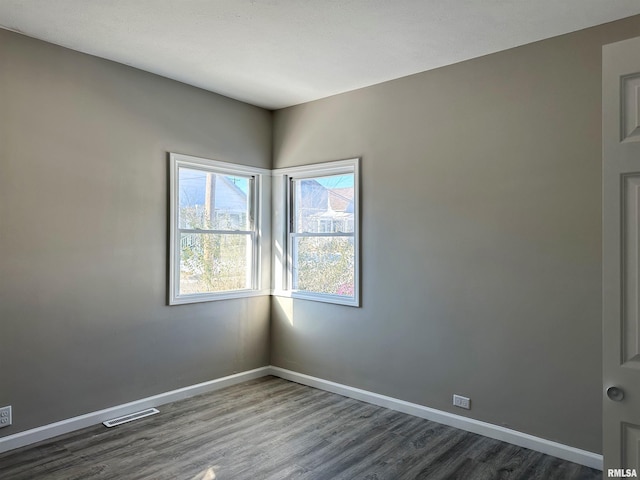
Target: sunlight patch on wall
(284, 308)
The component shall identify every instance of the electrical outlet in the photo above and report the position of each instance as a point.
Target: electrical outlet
(5, 416)
(462, 402)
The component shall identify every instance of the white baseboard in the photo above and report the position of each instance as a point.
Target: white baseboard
(514, 437)
(94, 418)
(559, 450)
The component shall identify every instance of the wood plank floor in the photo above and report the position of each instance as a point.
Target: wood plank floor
(270, 428)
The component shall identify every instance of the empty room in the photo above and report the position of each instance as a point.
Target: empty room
(350, 239)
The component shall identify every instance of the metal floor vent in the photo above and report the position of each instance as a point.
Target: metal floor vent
(131, 417)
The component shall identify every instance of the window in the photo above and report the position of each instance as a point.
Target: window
(220, 243)
(322, 232)
(214, 230)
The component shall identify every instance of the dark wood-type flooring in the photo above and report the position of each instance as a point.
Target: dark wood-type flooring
(270, 428)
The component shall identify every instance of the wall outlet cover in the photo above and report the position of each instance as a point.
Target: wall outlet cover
(5, 416)
(462, 402)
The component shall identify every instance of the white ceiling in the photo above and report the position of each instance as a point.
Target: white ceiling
(277, 53)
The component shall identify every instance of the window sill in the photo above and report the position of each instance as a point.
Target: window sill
(213, 297)
(334, 299)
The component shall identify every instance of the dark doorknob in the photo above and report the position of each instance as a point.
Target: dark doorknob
(615, 393)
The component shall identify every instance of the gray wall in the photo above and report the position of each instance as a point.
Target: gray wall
(481, 236)
(83, 234)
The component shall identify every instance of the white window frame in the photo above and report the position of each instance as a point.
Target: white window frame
(283, 224)
(256, 195)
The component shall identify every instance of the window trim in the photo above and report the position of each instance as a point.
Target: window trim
(177, 161)
(283, 202)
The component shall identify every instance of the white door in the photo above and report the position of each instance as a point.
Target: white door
(621, 254)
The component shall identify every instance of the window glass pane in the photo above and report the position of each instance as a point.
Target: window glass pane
(213, 201)
(214, 263)
(324, 204)
(324, 265)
